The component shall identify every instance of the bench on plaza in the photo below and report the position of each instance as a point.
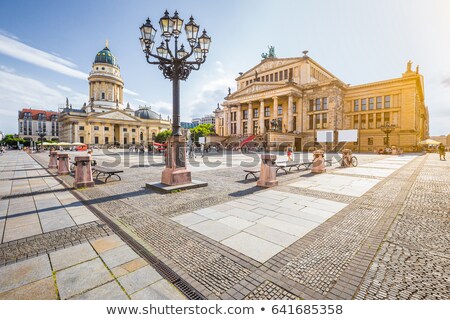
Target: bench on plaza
(106, 172)
(251, 173)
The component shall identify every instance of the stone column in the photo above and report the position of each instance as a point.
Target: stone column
(250, 119)
(299, 114)
(63, 164)
(229, 121)
(275, 108)
(261, 116)
(239, 120)
(71, 132)
(290, 119)
(76, 138)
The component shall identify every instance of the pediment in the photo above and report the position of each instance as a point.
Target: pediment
(269, 64)
(256, 87)
(116, 115)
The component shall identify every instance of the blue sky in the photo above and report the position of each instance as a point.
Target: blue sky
(47, 48)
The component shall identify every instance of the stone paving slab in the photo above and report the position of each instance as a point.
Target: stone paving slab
(139, 279)
(24, 272)
(275, 236)
(118, 256)
(214, 230)
(161, 290)
(39, 290)
(71, 256)
(82, 277)
(107, 291)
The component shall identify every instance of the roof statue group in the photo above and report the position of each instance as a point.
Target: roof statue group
(270, 54)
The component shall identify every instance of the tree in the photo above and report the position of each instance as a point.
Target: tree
(202, 130)
(162, 136)
(11, 141)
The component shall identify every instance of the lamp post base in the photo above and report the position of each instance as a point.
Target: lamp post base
(176, 176)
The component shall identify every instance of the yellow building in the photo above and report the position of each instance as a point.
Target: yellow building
(105, 120)
(293, 98)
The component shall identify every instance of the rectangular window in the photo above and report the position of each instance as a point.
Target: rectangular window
(245, 114)
(324, 120)
(245, 127)
(255, 127)
(267, 78)
(82, 139)
(363, 104)
(106, 128)
(96, 128)
(387, 117)
(325, 103)
(370, 103)
(355, 105)
(106, 140)
(294, 107)
(318, 121)
(378, 120)
(387, 101)
(125, 130)
(379, 102)
(281, 75)
(133, 130)
(294, 124)
(81, 128)
(276, 76)
(266, 111)
(311, 105)
(280, 109)
(371, 121)
(255, 113)
(271, 77)
(355, 122)
(125, 141)
(280, 124)
(286, 74)
(370, 141)
(96, 140)
(363, 122)
(317, 104)
(311, 122)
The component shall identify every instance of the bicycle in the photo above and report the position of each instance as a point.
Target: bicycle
(346, 161)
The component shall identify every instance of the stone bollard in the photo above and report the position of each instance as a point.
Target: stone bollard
(346, 158)
(318, 165)
(63, 164)
(268, 174)
(83, 172)
(53, 162)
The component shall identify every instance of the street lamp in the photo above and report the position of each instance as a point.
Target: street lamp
(41, 133)
(175, 66)
(387, 129)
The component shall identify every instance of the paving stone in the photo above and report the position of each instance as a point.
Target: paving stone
(39, 290)
(107, 291)
(275, 236)
(107, 243)
(139, 279)
(161, 290)
(214, 230)
(189, 219)
(81, 277)
(22, 273)
(236, 223)
(71, 256)
(283, 226)
(118, 256)
(28, 230)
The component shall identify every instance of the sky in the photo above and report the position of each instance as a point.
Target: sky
(47, 48)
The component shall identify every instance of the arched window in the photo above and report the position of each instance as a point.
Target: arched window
(142, 136)
(103, 95)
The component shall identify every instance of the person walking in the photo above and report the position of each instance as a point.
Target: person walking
(202, 149)
(289, 152)
(441, 150)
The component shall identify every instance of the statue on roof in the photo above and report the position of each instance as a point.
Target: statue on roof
(270, 54)
(408, 66)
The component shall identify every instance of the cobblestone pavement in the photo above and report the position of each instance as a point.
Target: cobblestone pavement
(354, 253)
(53, 247)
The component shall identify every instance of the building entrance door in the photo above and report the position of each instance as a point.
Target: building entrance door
(116, 134)
(298, 144)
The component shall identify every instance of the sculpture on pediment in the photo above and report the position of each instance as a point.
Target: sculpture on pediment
(229, 90)
(408, 66)
(270, 54)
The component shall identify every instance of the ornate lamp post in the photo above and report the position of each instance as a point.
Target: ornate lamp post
(41, 133)
(175, 66)
(387, 129)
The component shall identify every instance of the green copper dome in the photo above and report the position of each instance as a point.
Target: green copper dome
(105, 56)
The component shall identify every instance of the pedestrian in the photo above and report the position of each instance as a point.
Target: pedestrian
(202, 149)
(289, 152)
(441, 150)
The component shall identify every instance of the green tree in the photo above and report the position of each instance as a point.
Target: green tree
(162, 136)
(11, 141)
(202, 130)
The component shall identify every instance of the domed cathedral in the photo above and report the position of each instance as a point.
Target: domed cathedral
(105, 120)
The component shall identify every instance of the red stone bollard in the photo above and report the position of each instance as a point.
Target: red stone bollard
(63, 164)
(83, 172)
(268, 174)
(318, 165)
(53, 162)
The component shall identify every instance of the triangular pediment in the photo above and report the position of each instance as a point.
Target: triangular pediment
(269, 64)
(116, 115)
(256, 87)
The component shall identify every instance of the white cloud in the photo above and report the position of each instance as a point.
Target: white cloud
(64, 88)
(17, 92)
(141, 101)
(18, 50)
(128, 91)
(163, 107)
(7, 69)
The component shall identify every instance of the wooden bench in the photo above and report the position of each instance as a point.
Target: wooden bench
(251, 173)
(108, 172)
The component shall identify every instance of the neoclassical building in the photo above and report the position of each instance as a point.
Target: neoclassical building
(105, 120)
(294, 98)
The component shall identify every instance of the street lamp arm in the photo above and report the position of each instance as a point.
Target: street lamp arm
(161, 59)
(168, 49)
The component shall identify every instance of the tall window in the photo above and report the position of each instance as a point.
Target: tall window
(276, 76)
(271, 77)
(266, 111)
(267, 78)
(311, 105)
(387, 101)
(103, 95)
(363, 104)
(255, 127)
(96, 128)
(355, 105)
(371, 126)
(294, 107)
(370, 103)
(285, 74)
(355, 122)
(370, 141)
(324, 120)
(280, 109)
(378, 120)
(318, 121)
(244, 114)
(281, 75)
(379, 102)
(387, 117)
(311, 122)
(325, 103)
(255, 113)
(81, 128)
(317, 104)
(363, 121)
(245, 127)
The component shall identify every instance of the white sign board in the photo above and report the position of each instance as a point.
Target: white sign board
(201, 140)
(347, 135)
(325, 136)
